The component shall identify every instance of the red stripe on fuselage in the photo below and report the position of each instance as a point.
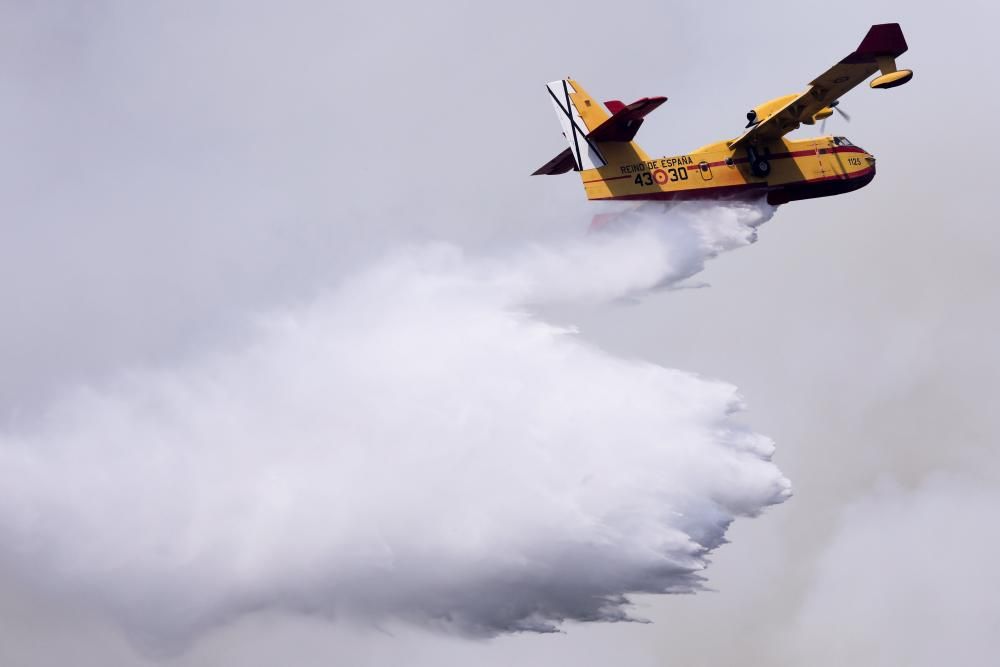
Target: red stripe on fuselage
(723, 191)
(742, 160)
(612, 178)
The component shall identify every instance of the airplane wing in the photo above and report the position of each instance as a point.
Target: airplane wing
(877, 50)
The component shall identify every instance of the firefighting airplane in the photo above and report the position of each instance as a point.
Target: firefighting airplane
(760, 162)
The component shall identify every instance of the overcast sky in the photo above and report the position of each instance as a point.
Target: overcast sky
(172, 171)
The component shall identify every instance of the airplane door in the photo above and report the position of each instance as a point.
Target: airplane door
(820, 159)
(706, 171)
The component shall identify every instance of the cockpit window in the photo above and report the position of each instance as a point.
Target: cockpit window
(842, 141)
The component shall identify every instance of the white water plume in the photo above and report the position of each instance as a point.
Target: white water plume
(413, 445)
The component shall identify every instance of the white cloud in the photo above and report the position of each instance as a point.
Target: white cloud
(414, 444)
(910, 578)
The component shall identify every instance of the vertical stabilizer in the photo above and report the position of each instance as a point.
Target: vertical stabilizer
(576, 125)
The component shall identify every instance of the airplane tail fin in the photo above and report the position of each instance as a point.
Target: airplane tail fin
(596, 136)
(575, 108)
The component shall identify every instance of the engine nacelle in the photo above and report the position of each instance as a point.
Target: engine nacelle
(762, 112)
(822, 114)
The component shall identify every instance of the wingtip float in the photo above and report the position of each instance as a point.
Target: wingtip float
(759, 162)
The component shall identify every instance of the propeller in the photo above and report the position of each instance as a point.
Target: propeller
(835, 106)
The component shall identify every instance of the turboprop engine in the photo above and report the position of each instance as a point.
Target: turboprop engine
(764, 111)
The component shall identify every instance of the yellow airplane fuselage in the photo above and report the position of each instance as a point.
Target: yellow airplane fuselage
(761, 162)
(800, 169)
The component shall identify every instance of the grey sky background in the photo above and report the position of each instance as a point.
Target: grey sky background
(169, 171)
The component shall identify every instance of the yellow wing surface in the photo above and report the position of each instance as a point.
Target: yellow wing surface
(877, 51)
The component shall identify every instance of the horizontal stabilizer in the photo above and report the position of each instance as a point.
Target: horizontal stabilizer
(625, 119)
(586, 126)
(560, 164)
